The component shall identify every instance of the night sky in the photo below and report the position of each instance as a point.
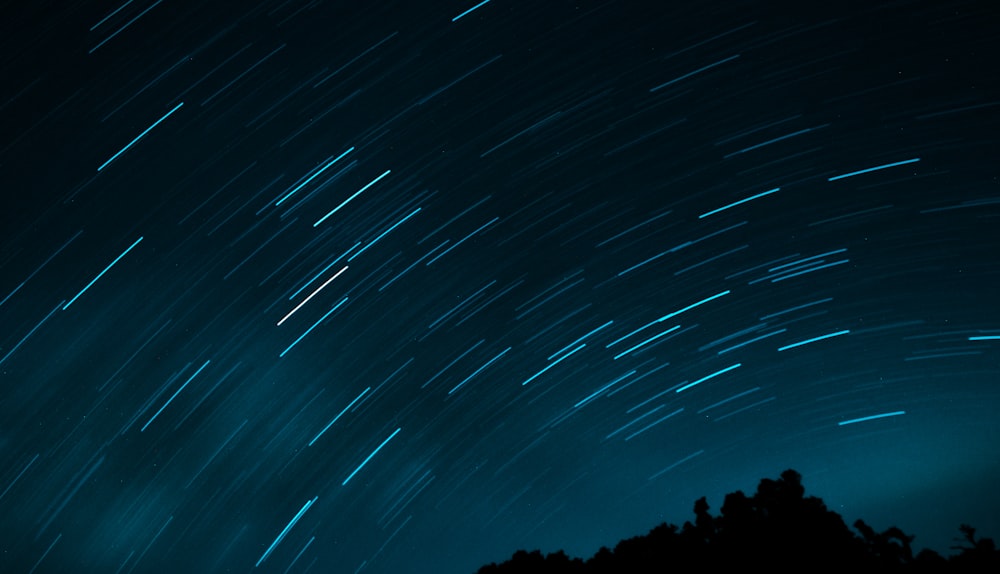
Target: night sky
(296, 286)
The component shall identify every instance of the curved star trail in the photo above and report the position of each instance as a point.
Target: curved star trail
(302, 286)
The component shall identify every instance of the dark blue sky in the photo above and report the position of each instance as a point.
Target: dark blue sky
(324, 286)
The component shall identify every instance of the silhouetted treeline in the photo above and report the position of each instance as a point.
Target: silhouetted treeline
(778, 528)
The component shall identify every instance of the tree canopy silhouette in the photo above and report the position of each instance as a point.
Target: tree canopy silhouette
(778, 528)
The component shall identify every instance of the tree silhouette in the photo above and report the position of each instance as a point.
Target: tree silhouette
(778, 528)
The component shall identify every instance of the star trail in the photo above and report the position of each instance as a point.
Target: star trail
(292, 286)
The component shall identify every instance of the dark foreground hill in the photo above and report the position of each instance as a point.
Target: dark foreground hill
(777, 529)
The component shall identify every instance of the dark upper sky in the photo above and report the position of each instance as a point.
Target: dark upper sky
(371, 286)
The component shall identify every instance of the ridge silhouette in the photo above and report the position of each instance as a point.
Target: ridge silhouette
(778, 529)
